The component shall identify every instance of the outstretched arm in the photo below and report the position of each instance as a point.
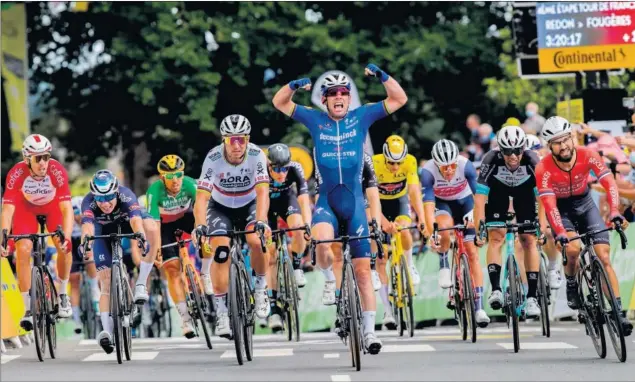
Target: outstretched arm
(396, 95)
(282, 100)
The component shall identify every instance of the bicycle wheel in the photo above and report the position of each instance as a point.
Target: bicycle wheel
(609, 309)
(129, 308)
(393, 296)
(236, 316)
(38, 309)
(589, 313)
(115, 313)
(89, 315)
(353, 298)
(294, 304)
(50, 296)
(198, 313)
(408, 304)
(513, 300)
(543, 298)
(468, 297)
(247, 298)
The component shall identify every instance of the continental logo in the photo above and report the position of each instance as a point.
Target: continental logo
(563, 59)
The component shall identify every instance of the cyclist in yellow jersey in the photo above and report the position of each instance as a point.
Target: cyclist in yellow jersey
(399, 188)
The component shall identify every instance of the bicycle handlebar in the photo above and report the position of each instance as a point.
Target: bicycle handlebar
(135, 236)
(617, 228)
(340, 239)
(178, 234)
(32, 236)
(233, 233)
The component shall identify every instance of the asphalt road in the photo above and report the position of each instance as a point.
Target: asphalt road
(433, 354)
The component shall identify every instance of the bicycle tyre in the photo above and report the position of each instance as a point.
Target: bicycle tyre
(198, 304)
(88, 312)
(459, 306)
(353, 311)
(51, 331)
(512, 273)
(129, 308)
(393, 295)
(236, 318)
(612, 317)
(37, 315)
(468, 297)
(543, 299)
(115, 313)
(593, 320)
(291, 295)
(408, 307)
(249, 322)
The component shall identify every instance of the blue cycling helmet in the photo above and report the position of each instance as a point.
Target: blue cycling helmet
(104, 183)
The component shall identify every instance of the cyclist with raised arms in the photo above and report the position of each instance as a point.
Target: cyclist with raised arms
(107, 205)
(170, 202)
(291, 204)
(449, 183)
(509, 172)
(233, 192)
(339, 135)
(562, 180)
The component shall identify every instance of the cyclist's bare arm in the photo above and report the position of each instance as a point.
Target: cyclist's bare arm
(7, 216)
(200, 207)
(479, 209)
(305, 208)
(262, 201)
(396, 96)
(372, 193)
(416, 201)
(68, 218)
(136, 223)
(282, 100)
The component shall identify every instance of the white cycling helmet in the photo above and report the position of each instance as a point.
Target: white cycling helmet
(334, 80)
(36, 144)
(511, 137)
(235, 124)
(445, 152)
(555, 127)
(532, 142)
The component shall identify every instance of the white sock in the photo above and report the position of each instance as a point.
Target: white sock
(182, 309)
(26, 297)
(408, 254)
(553, 265)
(328, 274)
(261, 282)
(368, 321)
(383, 294)
(76, 314)
(206, 265)
(106, 322)
(220, 302)
(63, 286)
(144, 272)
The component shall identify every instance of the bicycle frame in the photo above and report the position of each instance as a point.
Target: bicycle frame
(398, 260)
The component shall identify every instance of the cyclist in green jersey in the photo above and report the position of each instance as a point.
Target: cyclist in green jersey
(170, 202)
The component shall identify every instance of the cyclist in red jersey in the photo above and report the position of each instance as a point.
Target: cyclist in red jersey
(39, 186)
(563, 189)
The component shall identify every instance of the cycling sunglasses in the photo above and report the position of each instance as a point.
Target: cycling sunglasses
(333, 91)
(105, 198)
(446, 167)
(44, 157)
(174, 175)
(240, 139)
(282, 169)
(508, 152)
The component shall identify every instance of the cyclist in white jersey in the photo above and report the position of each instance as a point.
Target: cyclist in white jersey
(233, 192)
(449, 183)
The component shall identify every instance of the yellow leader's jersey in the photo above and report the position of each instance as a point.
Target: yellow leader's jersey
(394, 186)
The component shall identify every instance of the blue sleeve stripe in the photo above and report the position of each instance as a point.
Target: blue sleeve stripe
(535, 191)
(482, 189)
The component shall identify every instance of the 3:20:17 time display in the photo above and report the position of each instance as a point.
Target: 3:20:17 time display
(563, 39)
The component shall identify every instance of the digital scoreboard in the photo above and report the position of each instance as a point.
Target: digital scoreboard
(585, 36)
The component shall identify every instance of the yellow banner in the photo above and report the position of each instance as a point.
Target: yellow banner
(572, 110)
(585, 58)
(15, 72)
(80, 6)
(12, 305)
(301, 155)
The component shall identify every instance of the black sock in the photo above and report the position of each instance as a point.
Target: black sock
(273, 296)
(571, 281)
(297, 259)
(532, 284)
(494, 271)
(373, 261)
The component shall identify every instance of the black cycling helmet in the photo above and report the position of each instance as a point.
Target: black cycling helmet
(279, 155)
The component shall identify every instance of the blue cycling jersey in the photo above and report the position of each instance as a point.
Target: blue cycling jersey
(339, 145)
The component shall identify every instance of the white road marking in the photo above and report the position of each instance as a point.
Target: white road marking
(340, 378)
(538, 345)
(262, 353)
(8, 358)
(331, 355)
(136, 356)
(406, 348)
